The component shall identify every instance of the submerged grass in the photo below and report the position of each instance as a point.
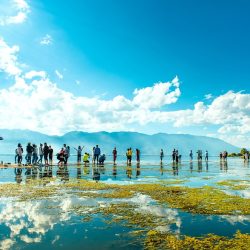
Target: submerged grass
(157, 240)
(235, 184)
(205, 200)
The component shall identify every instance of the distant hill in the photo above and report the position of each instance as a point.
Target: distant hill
(148, 144)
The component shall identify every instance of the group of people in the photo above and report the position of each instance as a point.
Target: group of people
(97, 157)
(223, 156)
(129, 154)
(34, 154)
(176, 157)
(246, 156)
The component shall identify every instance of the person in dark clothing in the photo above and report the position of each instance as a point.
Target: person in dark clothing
(102, 159)
(97, 153)
(114, 155)
(173, 155)
(79, 153)
(138, 153)
(46, 153)
(50, 155)
(29, 150)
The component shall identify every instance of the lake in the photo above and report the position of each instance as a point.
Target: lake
(105, 207)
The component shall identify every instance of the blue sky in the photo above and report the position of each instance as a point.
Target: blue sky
(104, 49)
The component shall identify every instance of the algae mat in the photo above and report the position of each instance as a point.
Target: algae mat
(135, 216)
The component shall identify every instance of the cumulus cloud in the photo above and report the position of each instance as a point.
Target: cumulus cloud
(31, 74)
(8, 58)
(46, 40)
(158, 95)
(47, 108)
(17, 12)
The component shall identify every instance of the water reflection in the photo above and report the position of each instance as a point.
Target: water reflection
(223, 165)
(191, 166)
(18, 175)
(63, 173)
(96, 174)
(114, 172)
(129, 171)
(200, 166)
(175, 168)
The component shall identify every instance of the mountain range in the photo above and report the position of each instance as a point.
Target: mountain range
(148, 144)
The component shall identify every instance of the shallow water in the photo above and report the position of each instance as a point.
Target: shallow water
(51, 222)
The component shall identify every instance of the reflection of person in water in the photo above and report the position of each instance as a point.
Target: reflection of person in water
(63, 173)
(129, 171)
(86, 170)
(96, 174)
(138, 170)
(28, 174)
(191, 166)
(114, 171)
(223, 165)
(175, 169)
(18, 175)
(34, 173)
(200, 166)
(161, 168)
(207, 166)
(78, 170)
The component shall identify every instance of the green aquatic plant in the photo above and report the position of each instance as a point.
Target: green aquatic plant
(204, 200)
(235, 184)
(157, 240)
(117, 208)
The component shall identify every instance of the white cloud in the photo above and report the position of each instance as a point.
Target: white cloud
(46, 40)
(58, 74)
(16, 12)
(158, 95)
(46, 102)
(8, 59)
(33, 73)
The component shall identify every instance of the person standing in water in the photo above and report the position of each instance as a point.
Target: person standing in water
(79, 153)
(40, 151)
(50, 155)
(173, 155)
(191, 155)
(138, 154)
(16, 155)
(97, 153)
(161, 155)
(114, 155)
(129, 155)
(206, 156)
(46, 153)
(20, 153)
(93, 154)
(34, 154)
